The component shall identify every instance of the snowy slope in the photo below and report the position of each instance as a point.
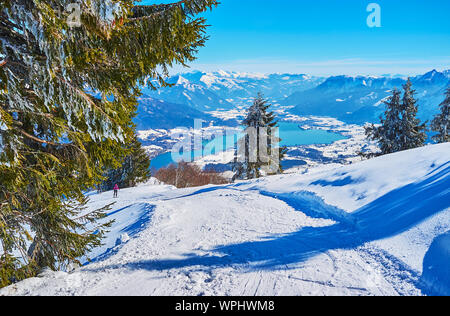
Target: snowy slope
(362, 229)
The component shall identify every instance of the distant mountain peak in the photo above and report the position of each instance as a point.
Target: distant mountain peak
(223, 73)
(430, 74)
(433, 77)
(182, 81)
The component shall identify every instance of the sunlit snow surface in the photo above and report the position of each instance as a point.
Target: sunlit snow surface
(361, 229)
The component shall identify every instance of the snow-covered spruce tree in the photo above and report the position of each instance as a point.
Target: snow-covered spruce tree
(135, 168)
(56, 138)
(441, 122)
(412, 132)
(263, 123)
(400, 128)
(387, 133)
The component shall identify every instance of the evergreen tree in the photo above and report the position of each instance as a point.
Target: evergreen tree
(387, 134)
(400, 128)
(412, 132)
(68, 93)
(135, 169)
(441, 123)
(260, 125)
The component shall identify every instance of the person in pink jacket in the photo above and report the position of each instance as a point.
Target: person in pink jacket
(116, 190)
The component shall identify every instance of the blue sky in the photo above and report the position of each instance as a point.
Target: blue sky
(326, 37)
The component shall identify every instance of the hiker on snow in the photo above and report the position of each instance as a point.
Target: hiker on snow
(116, 190)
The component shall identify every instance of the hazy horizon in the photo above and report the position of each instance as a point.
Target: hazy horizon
(192, 70)
(325, 37)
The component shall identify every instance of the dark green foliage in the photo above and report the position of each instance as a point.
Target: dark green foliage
(387, 133)
(262, 123)
(412, 133)
(441, 123)
(56, 139)
(400, 128)
(135, 169)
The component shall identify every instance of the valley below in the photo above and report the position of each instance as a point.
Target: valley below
(310, 141)
(321, 120)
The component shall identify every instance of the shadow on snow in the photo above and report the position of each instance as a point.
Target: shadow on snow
(389, 215)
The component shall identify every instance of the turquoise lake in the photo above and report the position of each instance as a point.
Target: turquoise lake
(290, 133)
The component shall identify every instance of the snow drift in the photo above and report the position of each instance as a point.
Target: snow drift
(436, 266)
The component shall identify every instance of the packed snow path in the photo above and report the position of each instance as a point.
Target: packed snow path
(362, 229)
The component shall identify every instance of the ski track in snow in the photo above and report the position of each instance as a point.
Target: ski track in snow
(272, 236)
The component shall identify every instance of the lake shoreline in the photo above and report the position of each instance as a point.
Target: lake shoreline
(292, 134)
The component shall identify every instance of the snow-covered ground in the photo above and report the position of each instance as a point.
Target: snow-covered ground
(360, 229)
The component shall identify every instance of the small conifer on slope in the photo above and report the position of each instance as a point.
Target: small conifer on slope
(134, 169)
(441, 122)
(258, 151)
(400, 128)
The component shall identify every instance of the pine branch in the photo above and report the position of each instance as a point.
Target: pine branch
(150, 11)
(41, 141)
(87, 98)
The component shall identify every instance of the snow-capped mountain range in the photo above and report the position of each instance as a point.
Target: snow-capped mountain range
(225, 90)
(360, 99)
(350, 98)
